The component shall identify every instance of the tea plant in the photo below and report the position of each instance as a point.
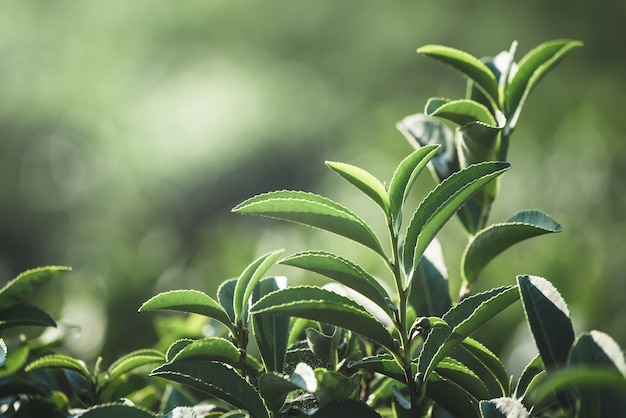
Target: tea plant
(353, 347)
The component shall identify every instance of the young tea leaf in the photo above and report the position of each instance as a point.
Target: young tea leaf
(403, 178)
(460, 374)
(248, 280)
(461, 112)
(548, 319)
(468, 65)
(491, 241)
(312, 210)
(492, 364)
(192, 301)
(344, 272)
(441, 204)
(327, 307)
(209, 349)
(364, 181)
(27, 282)
(133, 360)
(59, 361)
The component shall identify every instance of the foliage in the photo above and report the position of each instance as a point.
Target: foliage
(357, 345)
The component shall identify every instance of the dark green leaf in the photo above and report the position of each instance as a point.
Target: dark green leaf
(248, 280)
(458, 373)
(59, 361)
(225, 296)
(534, 368)
(503, 408)
(531, 68)
(491, 241)
(271, 331)
(344, 272)
(192, 301)
(22, 314)
(363, 181)
(333, 386)
(312, 210)
(321, 345)
(274, 389)
(325, 306)
(429, 294)
(383, 364)
(405, 175)
(476, 142)
(548, 319)
(463, 319)
(451, 396)
(117, 411)
(346, 408)
(468, 65)
(490, 362)
(422, 131)
(27, 282)
(133, 360)
(440, 204)
(216, 379)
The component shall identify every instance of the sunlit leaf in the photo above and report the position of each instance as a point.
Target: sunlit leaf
(216, 379)
(334, 386)
(441, 204)
(3, 352)
(460, 374)
(27, 282)
(491, 363)
(344, 272)
(248, 280)
(491, 241)
(327, 307)
(503, 408)
(363, 181)
(531, 68)
(468, 65)
(312, 210)
(461, 112)
(404, 176)
(463, 319)
(548, 319)
(226, 295)
(133, 360)
(59, 361)
(188, 300)
(116, 410)
(209, 349)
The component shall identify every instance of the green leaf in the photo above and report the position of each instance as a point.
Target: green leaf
(133, 360)
(403, 178)
(344, 272)
(209, 349)
(271, 331)
(491, 241)
(59, 361)
(460, 374)
(421, 131)
(532, 67)
(456, 400)
(548, 319)
(440, 204)
(600, 351)
(429, 294)
(334, 386)
(325, 306)
(463, 319)
(192, 301)
(226, 295)
(116, 410)
(216, 379)
(27, 282)
(468, 65)
(363, 181)
(22, 314)
(532, 369)
(248, 280)
(503, 408)
(383, 364)
(274, 389)
(476, 142)
(462, 112)
(346, 408)
(489, 361)
(312, 210)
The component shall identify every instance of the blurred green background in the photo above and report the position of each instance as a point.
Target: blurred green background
(128, 130)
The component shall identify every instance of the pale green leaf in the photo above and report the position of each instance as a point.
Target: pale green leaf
(461, 112)
(503, 408)
(491, 241)
(248, 280)
(363, 181)
(344, 272)
(132, 360)
(467, 64)
(312, 210)
(327, 307)
(441, 204)
(59, 361)
(209, 349)
(27, 282)
(404, 176)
